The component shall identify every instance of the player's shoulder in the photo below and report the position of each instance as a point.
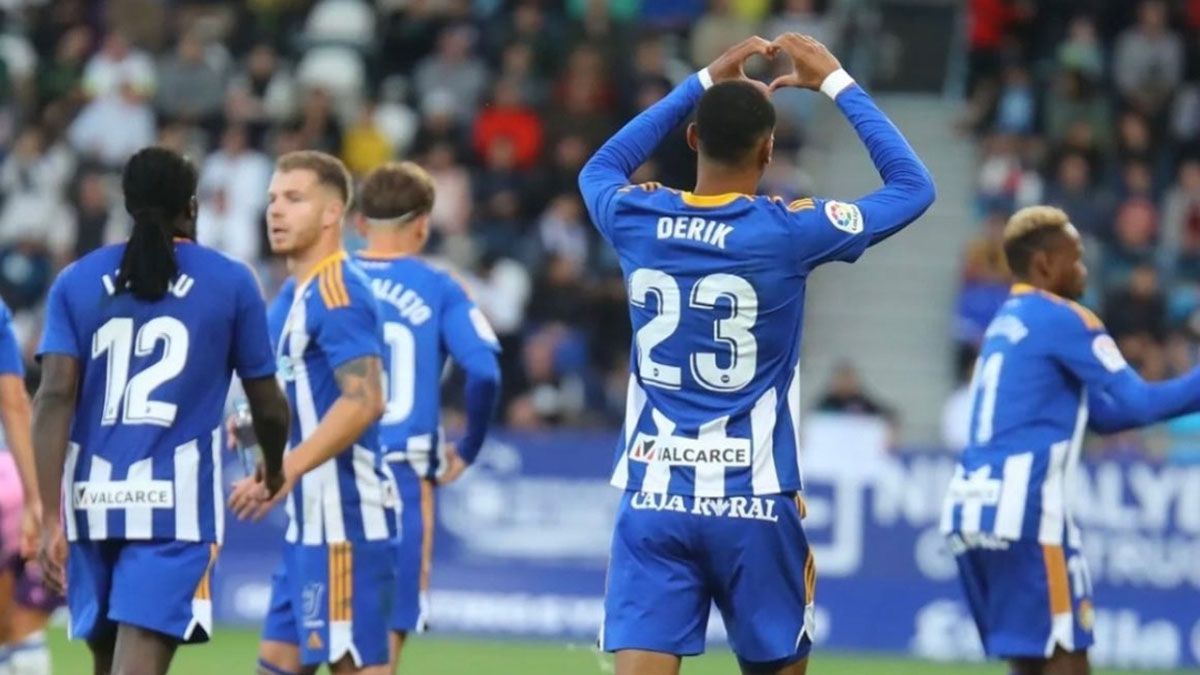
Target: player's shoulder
(1062, 312)
(201, 261)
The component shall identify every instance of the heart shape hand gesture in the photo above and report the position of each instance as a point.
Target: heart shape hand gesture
(811, 61)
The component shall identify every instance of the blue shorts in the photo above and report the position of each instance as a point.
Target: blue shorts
(162, 586)
(1026, 597)
(410, 605)
(673, 556)
(333, 599)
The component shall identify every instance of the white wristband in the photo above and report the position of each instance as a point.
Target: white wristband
(835, 82)
(705, 78)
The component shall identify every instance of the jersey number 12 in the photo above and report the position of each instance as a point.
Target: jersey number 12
(128, 398)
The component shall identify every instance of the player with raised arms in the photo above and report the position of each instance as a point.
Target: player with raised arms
(332, 590)
(140, 343)
(427, 316)
(716, 276)
(1047, 370)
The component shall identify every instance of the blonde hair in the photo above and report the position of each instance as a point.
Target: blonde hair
(329, 170)
(1030, 230)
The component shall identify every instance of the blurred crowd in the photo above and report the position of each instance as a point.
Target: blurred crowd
(1094, 106)
(501, 100)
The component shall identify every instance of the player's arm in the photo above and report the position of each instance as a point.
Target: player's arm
(473, 345)
(1130, 402)
(254, 361)
(1118, 398)
(53, 412)
(360, 404)
(908, 188)
(16, 416)
(610, 168)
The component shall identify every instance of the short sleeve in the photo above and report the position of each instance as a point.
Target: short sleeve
(59, 334)
(826, 230)
(10, 348)
(349, 328)
(1082, 345)
(464, 327)
(252, 356)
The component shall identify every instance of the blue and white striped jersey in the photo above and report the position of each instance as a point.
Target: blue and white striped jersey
(1040, 357)
(143, 460)
(716, 299)
(329, 319)
(427, 315)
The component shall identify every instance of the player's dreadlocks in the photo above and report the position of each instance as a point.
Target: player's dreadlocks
(159, 187)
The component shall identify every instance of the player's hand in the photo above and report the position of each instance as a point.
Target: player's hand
(811, 62)
(248, 493)
(455, 465)
(732, 64)
(231, 441)
(31, 528)
(273, 482)
(52, 556)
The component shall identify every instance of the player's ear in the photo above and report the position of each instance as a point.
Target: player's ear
(193, 210)
(693, 138)
(360, 224)
(422, 225)
(768, 149)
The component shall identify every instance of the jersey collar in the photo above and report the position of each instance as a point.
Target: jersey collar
(328, 261)
(712, 200)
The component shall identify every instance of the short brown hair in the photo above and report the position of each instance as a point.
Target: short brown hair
(395, 190)
(1031, 229)
(329, 169)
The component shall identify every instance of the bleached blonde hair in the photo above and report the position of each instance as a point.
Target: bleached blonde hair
(1028, 230)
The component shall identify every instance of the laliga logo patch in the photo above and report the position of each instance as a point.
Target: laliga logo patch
(845, 217)
(1108, 353)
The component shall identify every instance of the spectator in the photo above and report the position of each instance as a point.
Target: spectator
(1137, 308)
(1073, 191)
(452, 209)
(455, 70)
(263, 93)
(365, 145)
(1181, 223)
(1133, 242)
(99, 220)
(232, 191)
(1081, 52)
(113, 126)
(61, 79)
(1015, 105)
(190, 86)
(846, 395)
(985, 283)
(1148, 60)
(509, 117)
(116, 66)
(1075, 99)
(719, 29)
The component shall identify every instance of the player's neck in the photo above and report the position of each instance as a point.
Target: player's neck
(392, 243)
(302, 263)
(713, 180)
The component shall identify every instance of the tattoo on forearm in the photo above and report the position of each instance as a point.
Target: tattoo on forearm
(359, 380)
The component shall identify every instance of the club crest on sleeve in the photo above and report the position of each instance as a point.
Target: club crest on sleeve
(845, 217)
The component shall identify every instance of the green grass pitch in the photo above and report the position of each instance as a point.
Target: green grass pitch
(233, 651)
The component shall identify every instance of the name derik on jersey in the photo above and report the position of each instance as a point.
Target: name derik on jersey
(691, 451)
(694, 229)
